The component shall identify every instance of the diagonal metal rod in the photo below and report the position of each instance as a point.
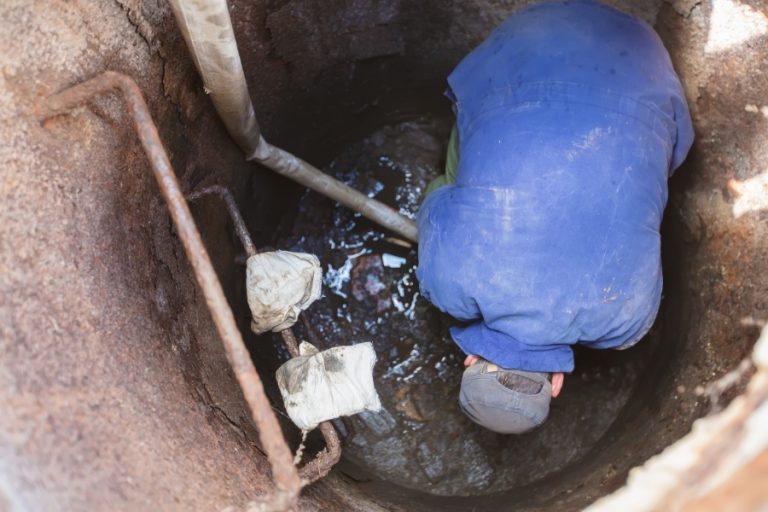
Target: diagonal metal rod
(304, 173)
(327, 458)
(234, 213)
(285, 475)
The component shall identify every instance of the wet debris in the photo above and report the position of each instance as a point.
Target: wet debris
(420, 439)
(367, 284)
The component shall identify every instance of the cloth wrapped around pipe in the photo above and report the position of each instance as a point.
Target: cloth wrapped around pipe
(316, 386)
(319, 386)
(279, 286)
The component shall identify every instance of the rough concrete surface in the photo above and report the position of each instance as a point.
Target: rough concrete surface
(113, 384)
(114, 389)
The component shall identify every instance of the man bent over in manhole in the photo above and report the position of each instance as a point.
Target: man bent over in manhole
(544, 231)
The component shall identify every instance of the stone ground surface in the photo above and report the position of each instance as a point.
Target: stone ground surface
(114, 388)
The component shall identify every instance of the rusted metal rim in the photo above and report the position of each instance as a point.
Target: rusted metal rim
(286, 477)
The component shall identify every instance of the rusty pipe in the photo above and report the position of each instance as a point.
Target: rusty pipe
(330, 455)
(234, 213)
(285, 475)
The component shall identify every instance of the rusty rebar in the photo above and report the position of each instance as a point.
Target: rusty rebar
(234, 213)
(324, 461)
(318, 467)
(330, 455)
(284, 472)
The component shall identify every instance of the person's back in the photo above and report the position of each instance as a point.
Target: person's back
(570, 120)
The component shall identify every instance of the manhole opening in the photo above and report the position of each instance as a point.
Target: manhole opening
(383, 129)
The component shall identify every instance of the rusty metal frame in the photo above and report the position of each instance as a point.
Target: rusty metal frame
(234, 213)
(327, 458)
(287, 480)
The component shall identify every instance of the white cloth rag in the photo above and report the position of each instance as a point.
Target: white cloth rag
(279, 286)
(320, 386)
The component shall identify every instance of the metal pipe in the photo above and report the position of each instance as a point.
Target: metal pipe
(207, 29)
(234, 213)
(285, 475)
(328, 457)
(290, 166)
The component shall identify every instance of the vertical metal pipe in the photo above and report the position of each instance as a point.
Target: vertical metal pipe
(207, 29)
(327, 458)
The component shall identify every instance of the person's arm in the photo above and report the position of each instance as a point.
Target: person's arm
(508, 352)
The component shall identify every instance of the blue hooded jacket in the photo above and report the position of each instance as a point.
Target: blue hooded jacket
(570, 120)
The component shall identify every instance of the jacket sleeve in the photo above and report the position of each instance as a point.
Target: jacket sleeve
(508, 352)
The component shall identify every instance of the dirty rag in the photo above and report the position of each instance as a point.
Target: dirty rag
(279, 286)
(319, 386)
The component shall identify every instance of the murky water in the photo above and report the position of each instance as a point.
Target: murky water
(421, 439)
